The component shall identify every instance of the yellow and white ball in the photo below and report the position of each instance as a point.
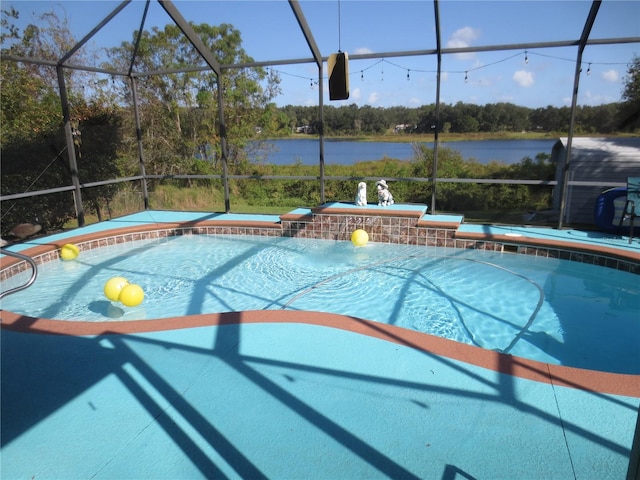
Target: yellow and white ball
(359, 238)
(69, 251)
(131, 295)
(114, 287)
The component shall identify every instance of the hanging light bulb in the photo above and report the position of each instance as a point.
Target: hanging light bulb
(311, 83)
(362, 75)
(408, 78)
(466, 77)
(526, 57)
(589, 70)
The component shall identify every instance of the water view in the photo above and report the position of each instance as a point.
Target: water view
(287, 152)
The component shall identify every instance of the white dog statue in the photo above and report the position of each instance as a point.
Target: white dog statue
(361, 196)
(384, 195)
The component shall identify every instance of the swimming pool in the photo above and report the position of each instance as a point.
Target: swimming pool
(545, 309)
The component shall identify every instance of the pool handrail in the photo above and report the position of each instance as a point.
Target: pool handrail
(34, 271)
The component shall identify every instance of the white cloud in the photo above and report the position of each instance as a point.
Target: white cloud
(461, 38)
(597, 99)
(414, 101)
(373, 98)
(362, 51)
(523, 78)
(610, 76)
(355, 94)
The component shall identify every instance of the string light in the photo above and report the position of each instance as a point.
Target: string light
(465, 72)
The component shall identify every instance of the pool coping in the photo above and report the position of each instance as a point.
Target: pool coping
(395, 210)
(557, 375)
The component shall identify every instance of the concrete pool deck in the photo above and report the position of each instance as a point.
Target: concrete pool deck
(285, 394)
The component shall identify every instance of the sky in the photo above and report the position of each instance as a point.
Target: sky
(527, 75)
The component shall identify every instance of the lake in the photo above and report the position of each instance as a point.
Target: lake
(340, 152)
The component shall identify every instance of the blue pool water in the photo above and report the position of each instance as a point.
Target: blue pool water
(550, 310)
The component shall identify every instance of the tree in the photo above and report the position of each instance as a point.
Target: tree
(466, 123)
(180, 110)
(29, 97)
(34, 153)
(630, 108)
(631, 92)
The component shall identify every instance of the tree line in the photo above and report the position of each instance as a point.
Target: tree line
(456, 118)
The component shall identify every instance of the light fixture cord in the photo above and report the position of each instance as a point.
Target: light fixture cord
(339, 30)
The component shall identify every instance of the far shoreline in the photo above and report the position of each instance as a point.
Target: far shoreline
(446, 137)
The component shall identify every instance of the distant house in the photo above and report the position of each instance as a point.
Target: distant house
(402, 127)
(608, 162)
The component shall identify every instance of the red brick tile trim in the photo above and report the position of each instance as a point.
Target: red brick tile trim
(129, 234)
(551, 243)
(589, 380)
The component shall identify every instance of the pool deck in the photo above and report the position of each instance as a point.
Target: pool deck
(288, 394)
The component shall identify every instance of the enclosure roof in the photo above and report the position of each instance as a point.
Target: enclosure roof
(386, 40)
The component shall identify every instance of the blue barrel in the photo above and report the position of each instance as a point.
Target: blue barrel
(609, 208)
